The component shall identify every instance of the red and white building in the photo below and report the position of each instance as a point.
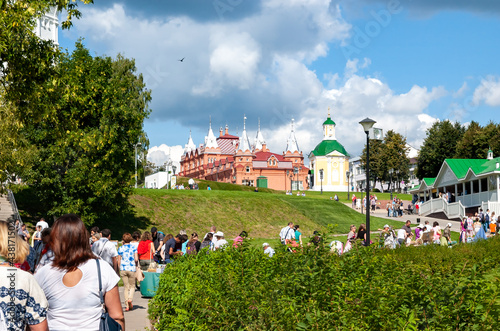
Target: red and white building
(232, 159)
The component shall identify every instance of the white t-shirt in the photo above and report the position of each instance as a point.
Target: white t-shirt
(287, 233)
(78, 307)
(220, 243)
(401, 234)
(105, 250)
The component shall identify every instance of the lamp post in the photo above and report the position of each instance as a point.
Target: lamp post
(390, 172)
(136, 145)
(367, 125)
(347, 173)
(321, 178)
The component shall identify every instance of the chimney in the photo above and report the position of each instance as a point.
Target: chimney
(227, 129)
(220, 132)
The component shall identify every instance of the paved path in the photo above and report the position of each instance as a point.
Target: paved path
(382, 213)
(137, 318)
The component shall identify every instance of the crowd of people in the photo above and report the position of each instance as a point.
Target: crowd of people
(57, 275)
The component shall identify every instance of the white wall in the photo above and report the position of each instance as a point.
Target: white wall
(157, 180)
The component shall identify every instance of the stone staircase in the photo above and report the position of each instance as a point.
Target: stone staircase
(6, 210)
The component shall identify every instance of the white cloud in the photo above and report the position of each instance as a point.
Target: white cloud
(488, 92)
(461, 91)
(257, 65)
(163, 153)
(417, 99)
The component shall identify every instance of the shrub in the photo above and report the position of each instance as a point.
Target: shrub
(431, 288)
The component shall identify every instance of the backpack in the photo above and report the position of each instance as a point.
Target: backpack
(481, 217)
(191, 248)
(466, 224)
(486, 218)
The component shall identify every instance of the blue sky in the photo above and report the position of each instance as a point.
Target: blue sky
(402, 63)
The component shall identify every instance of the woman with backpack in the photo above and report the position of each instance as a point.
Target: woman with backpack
(193, 245)
(207, 241)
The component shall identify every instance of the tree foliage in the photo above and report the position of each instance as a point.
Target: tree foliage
(391, 153)
(440, 144)
(27, 63)
(477, 140)
(81, 148)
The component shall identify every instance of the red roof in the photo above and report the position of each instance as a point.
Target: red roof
(228, 136)
(264, 156)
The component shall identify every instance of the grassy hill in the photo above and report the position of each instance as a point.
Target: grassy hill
(261, 214)
(231, 208)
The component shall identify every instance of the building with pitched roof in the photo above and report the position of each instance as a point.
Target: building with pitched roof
(329, 161)
(461, 187)
(233, 159)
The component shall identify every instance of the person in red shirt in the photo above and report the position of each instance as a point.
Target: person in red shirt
(146, 250)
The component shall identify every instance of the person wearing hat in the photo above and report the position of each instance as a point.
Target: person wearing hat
(268, 250)
(220, 240)
(387, 235)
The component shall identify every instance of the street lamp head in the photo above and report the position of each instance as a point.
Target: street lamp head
(367, 124)
(138, 145)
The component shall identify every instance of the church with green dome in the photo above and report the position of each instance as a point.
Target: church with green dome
(329, 162)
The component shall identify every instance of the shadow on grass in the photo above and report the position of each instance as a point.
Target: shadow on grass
(32, 209)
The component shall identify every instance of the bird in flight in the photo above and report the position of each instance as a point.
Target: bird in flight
(182, 60)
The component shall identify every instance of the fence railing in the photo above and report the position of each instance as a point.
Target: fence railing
(451, 210)
(492, 206)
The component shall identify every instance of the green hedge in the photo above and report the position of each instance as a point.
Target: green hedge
(415, 288)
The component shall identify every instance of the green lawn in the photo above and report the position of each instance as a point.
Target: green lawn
(261, 214)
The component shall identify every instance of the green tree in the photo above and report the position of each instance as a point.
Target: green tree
(82, 152)
(27, 64)
(391, 153)
(477, 140)
(396, 158)
(440, 144)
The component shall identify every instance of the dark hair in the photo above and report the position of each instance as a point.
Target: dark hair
(69, 240)
(95, 229)
(296, 226)
(46, 232)
(154, 230)
(362, 226)
(136, 235)
(182, 237)
(146, 236)
(435, 223)
(243, 234)
(106, 233)
(127, 237)
(208, 237)
(290, 223)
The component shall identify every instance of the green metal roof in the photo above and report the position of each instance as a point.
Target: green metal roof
(429, 181)
(329, 122)
(460, 167)
(327, 146)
